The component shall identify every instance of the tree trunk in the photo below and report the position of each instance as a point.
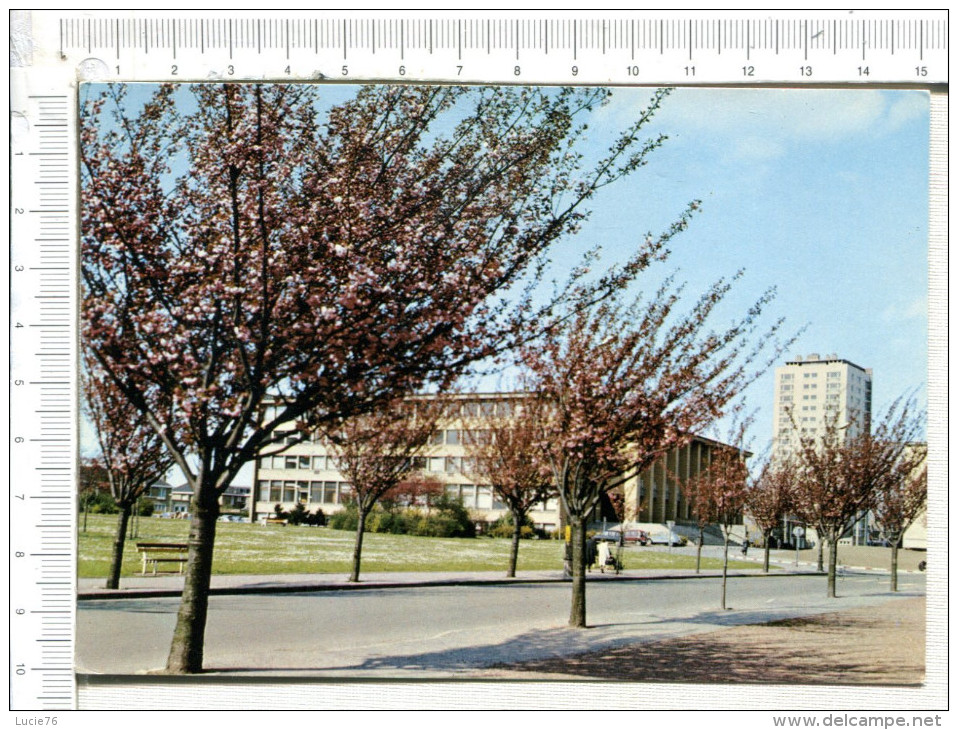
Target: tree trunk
(119, 540)
(577, 613)
(698, 551)
(765, 536)
(517, 518)
(894, 564)
(725, 569)
(358, 545)
(186, 652)
(821, 549)
(832, 563)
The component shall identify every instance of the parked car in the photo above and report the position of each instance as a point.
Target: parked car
(666, 538)
(607, 536)
(640, 537)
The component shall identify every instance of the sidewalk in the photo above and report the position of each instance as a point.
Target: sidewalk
(160, 586)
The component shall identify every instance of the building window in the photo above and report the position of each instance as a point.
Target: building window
(437, 464)
(484, 497)
(263, 490)
(319, 463)
(304, 462)
(468, 495)
(329, 492)
(470, 409)
(290, 462)
(289, 491)
(275, 491)
(452, 464)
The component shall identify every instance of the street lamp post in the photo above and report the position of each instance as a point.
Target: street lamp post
(797, 533)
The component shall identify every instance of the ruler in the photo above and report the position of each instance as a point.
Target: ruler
(52, 50)
(42, 401)
(812, 47)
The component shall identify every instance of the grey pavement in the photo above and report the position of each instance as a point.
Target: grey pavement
(415, 630)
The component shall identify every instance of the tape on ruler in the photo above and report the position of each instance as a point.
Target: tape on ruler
(51, 51)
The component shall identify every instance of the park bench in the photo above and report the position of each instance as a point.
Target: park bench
(154, 553)
(276, 521)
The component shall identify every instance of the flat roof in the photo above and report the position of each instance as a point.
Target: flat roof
(822, 360)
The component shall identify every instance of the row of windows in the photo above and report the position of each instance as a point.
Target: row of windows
(449, 437)
(316, 492)
(289, 491)
(485, 408)
(436, 464)
(316, 463)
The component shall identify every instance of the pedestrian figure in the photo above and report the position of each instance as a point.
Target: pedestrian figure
(604, 555)
(745, 546)
(590, 553)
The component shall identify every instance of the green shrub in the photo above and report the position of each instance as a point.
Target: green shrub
(448, 519)
(346, 519)
(146, 508)
(393, 523)
(503, 527)
(100, 503)
(298, 515)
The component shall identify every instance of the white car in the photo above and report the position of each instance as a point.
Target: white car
(667, 538)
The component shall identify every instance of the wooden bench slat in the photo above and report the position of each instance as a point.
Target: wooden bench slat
(152, 553)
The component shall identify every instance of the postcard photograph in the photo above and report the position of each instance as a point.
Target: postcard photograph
(503, 383)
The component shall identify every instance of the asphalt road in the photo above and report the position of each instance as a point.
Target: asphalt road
(450, 631)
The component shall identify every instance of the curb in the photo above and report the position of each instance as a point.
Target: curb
(330, 587)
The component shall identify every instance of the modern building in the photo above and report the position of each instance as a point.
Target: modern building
(306, 473)
(812, 390)
(235, 499)
(160, 494)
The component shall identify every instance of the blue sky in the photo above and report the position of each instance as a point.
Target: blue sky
(820, 193)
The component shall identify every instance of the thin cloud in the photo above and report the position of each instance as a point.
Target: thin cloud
(780, 114)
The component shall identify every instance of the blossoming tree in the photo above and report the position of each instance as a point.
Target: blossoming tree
(504, 455)
(838, 475)
(376, 452)
(719, 492)
(244, 241)
(131, 454)
(626, 384)
(769, 500)
(900, 500)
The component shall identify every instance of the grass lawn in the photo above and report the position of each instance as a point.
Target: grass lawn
(263, 550)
